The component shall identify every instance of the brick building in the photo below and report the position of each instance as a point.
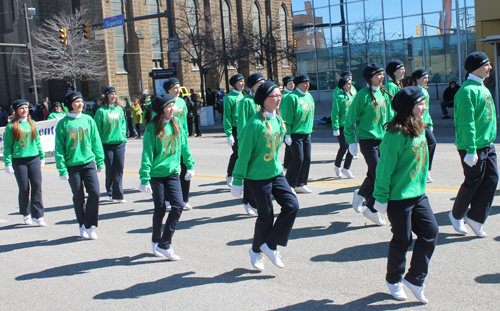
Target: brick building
(132, 51)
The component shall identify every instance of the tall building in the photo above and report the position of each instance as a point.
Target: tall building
(134, 50)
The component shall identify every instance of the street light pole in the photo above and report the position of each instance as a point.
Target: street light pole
(30, 54)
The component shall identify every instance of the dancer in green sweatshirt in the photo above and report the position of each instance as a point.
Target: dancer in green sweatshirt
(79, 157)
(288, 89)
(57, 111)
(24, 157)
(400, 191)
(259, 165)
(164, 144)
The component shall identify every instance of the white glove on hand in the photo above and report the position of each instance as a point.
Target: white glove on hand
(470, 159)
(380, 207)
(353, 149)
(189, 174)
(100, 170)
(64, 177)
(288, 140)
(236, 191)
(230, 141)
(42, 163)
(9, 170)
(145, 188)
(336, 133)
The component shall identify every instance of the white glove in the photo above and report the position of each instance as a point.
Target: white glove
(9, 170)
(100, 170)
(353, 149)
(189, 174)
(42, 163)
(380, 207)
(145, 188)
(288, 140)
(336, 133)
(64, 177)
(236, 191)
(470, 159)
(230, 141)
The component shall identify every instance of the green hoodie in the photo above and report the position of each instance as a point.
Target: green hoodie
(111, 124)
(231, 106)
(340, 107)
(475, 117)
(402, 167)
(427, 116)
(258, 150)
(368, 118)
(297, 110)
(247, 109)
(55, 115)
(161, 156)
(24, 148)
(77, 143)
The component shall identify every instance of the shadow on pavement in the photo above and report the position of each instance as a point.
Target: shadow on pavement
(179, 281)
(356, 253)
(114, 215)
(489, 279)
(12, 247)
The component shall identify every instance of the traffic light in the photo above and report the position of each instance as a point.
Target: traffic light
(417, 30)
(63, 36)
(294, 43)
(86, 30)
(437, 31)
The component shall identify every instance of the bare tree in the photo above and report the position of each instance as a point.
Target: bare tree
(79, 59)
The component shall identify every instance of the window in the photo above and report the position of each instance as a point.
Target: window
(118, 37)
(154, 30)
(283, 31)
(257, 31)
(192, 19)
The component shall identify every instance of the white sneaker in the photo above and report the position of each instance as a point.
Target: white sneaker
(229, 181)
(155, 251)
(187, 207)
(376, 218)
(168, 206)
(429, 179)
(257, 260)
(40, 221)
(476, 227)
(250, 210)
(110, 198)
(347, 173)
(418, 291)
(83, 233)
(27, 219)
(120, 201)
(293, 190)
(357, 201)
(337, 171)
(90, 232)
(302, 189)
(458, 224)
(169, 253)
(397, 290)
(355, 157)
(273, 255)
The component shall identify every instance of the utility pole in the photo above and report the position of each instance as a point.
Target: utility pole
(30, 53)
(224, 55)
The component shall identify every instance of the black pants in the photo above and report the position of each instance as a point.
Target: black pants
(130, 127)
(164, 187)
(431, 143)
(114, 160)
(266, 229)
(197, 129)
(343, 149)
(288, 156)
(190, 125)
(138, 129)
(185, 184)
(479, 186)
(371, 153)
(29, 175)
(234, 155)
(81, 176)
(298, 169)
(406, 216)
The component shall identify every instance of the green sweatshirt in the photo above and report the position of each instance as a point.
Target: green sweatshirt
(340, 106)
(88, 112)
(247, 109)
(77, 143)
(392, 87)
(369, 119)
(111, 124)
(23, 148)
(475, 117)
(258, 150)
(427, 116)
(286, 93)
(180, 112)
(161, 156)
(55, 115)
(231, 105)
(402, 168)
(297, 110)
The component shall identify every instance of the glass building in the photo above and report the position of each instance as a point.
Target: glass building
(332, 36)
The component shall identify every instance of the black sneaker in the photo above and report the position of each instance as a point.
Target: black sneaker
(446, 117)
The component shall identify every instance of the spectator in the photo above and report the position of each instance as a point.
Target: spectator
(448, 97)
(136, 110)
(408, 82)
(3, 117)
(198, 102)
(95, 106)
(190, 114)
(128, 115)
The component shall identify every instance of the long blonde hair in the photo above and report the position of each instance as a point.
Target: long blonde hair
(160, 127)
(16, 127)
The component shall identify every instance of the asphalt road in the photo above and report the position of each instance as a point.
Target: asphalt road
(335, 259)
